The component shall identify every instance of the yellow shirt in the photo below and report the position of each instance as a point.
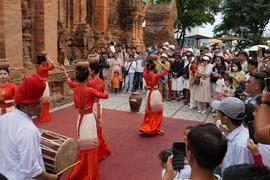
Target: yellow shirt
(167, 64)
(240, 75)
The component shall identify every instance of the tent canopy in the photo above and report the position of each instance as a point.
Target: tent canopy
(197, 37)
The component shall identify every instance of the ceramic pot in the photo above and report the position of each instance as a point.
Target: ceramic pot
(135, 101)
(44, 53)
(4, 63)
(93, 58)
(153, 57)
(82, 62)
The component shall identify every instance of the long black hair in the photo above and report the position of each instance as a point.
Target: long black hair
(41, 59)
(96, 68)
(82, 73)
(150, 65)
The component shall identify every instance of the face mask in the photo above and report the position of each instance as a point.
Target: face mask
(235, 68)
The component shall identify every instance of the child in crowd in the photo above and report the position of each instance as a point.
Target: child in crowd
(163, 156)
(116, 82)
(220, 84)
(228, 89)
(163, 84)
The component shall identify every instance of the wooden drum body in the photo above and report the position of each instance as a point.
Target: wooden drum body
(58, 151)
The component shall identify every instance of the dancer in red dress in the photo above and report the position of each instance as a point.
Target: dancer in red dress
(45, 65)
(96, 83)
(84, 99)
(154, 108)
(7, 92)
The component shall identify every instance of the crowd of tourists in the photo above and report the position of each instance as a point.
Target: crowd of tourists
(230, 85)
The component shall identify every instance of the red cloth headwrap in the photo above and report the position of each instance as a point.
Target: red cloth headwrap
(30, 90)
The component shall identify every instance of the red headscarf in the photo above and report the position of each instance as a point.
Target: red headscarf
(30, 90)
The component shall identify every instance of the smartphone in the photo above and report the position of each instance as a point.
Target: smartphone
(179, 153)
(267, 83)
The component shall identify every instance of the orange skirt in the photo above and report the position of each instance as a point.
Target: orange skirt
(153, 113)
(44, 115)
(88, 169)
(104, 151)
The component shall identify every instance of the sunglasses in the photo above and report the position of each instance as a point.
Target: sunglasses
(204, 60)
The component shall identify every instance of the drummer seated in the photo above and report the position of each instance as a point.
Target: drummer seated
(21, 157)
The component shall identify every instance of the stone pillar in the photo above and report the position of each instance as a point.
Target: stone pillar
(11, 32)
(46, 27)
(101, 14)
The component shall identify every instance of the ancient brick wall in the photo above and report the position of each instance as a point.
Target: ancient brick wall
(159, 27)
(11, 31)
(66, 29)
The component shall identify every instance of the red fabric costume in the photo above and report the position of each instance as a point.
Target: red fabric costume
(88, 169)
(154, 108)
(7, 93)
(45, 116)
(98, 85)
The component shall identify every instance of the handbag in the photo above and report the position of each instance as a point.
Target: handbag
(197, 80)
(126, 71)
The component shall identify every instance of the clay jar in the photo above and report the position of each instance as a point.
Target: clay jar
(93, 58)
(82, 62)
(4, 63)
(44, 53)
(153, 57)
(135, 101)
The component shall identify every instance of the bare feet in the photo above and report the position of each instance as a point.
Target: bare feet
(161, 132)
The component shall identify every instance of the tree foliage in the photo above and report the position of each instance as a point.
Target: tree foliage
(243, 18)
(193, 13)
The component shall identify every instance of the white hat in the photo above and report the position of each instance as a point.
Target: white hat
(206, 58)
(209, 55)
(190, 50)
(172, 46)
(166, 44)
(164, 55)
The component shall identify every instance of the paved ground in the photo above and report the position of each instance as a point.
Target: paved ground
(172, 109)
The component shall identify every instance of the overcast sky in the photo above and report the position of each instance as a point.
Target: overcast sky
(207, 31)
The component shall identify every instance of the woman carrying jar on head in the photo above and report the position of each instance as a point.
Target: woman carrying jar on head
(7, 91)
(84, 98)
(45, 64)
(154, 107)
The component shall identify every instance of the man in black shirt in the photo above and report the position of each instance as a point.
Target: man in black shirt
(177, 73)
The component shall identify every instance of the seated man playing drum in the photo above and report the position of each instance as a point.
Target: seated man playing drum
(20, 152)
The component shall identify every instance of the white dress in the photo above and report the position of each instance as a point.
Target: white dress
(203, 90)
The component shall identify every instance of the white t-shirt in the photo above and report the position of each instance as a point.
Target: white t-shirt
(220, 84)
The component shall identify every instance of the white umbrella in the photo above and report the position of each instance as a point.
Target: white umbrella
(256, 47)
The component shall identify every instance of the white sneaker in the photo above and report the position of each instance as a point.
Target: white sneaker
(191, 108)
(203, 112)
(199, 111)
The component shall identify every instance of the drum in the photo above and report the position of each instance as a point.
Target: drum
(58, 151)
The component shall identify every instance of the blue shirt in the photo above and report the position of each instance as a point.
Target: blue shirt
(237, 152)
